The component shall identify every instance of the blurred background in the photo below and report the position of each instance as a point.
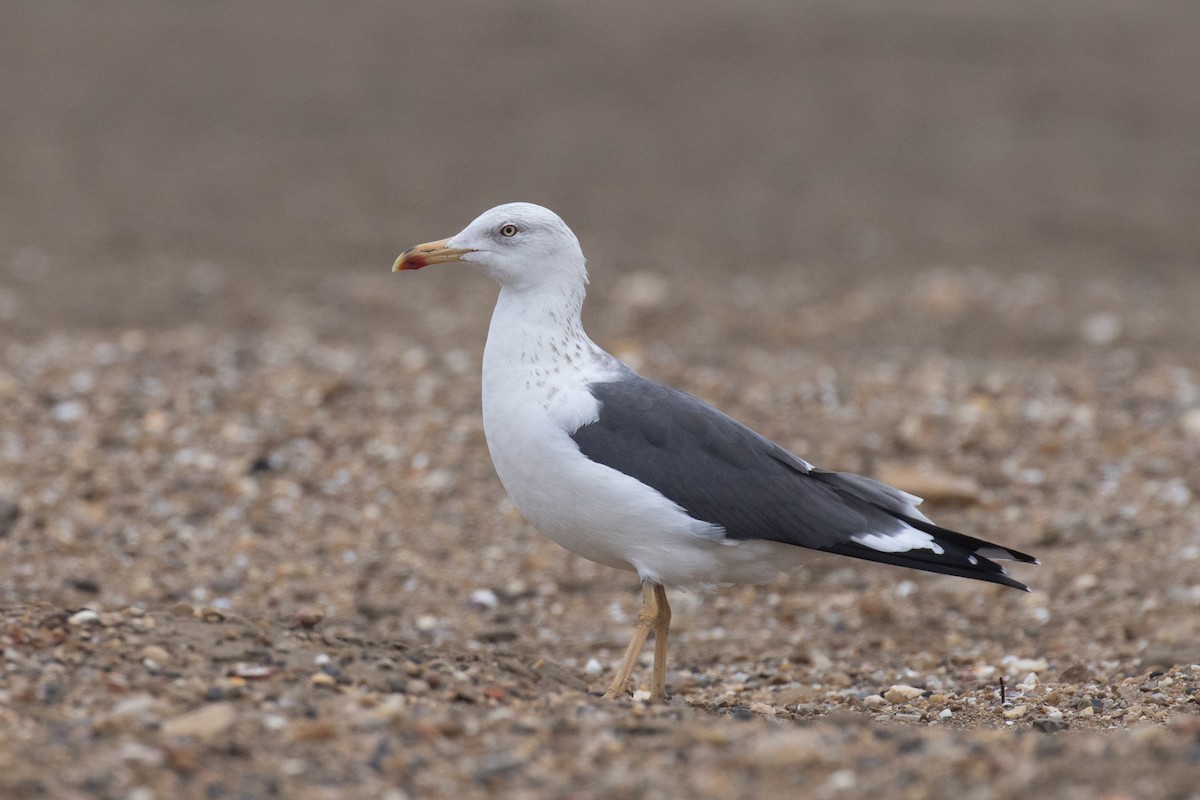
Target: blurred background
(225, 162)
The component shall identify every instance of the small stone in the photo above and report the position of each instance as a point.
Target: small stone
(206, 722)
(1050, 724)
(763, 708)
(156, 653)
(1189, 421)
(68, 411)
(1101, 328)
(1016, 712)
(840, 781)
(309, 617)
(254, 672)
(84, 617)
(313, 730)
(641, 696)
(182, 609)
(484, 598)
(1019, 665)
(140, 753)
(1076, 673)
(902, 693)
(593, 667)
(111, 619)
(135, 705)
(323, 679)
(874, 701)
(211, 614)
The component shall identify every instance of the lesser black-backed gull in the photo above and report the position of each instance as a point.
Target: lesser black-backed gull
(638, 476)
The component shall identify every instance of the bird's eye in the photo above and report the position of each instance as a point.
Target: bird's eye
(508, 230)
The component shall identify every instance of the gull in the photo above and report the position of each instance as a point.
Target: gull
(636, 475)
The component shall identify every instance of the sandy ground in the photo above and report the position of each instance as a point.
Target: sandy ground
(251, 544)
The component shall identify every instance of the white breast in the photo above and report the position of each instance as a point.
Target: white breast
(535, 377)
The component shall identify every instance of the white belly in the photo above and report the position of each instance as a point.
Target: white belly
(535, 377)
(607, 516)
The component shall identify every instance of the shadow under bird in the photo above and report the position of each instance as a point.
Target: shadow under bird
(635, 475)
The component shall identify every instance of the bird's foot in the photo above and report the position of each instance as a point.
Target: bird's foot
(655, 695)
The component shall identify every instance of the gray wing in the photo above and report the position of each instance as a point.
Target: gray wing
(721, 472)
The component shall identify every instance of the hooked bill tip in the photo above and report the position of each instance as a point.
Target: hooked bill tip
(409, 261)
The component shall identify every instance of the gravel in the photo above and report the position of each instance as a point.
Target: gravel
(282, 563)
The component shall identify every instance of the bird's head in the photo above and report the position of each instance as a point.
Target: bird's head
(521, 245)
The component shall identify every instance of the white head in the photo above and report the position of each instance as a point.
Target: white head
(521, 245)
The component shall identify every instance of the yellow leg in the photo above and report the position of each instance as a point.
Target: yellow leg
(656, 615)
(662, 622)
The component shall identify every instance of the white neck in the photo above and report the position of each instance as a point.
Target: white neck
(537, 339)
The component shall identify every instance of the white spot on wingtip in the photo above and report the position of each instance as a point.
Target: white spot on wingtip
(900, 542)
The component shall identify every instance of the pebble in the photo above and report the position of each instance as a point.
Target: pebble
(312, 730)
(136, 705)
(156, 653)
(68, 411)
(902, 693)
(206, 722)
(1050, 724)
(1076, 673)
(593, 667)
(484, 598)
(763, 708)
(310, 616)
(255, 672)
(1018, 665)
(141, 754)
(84, 617)
(1016, 712)
(211, 614)
(874, 701)
(1101, 328)
(1189, 421)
